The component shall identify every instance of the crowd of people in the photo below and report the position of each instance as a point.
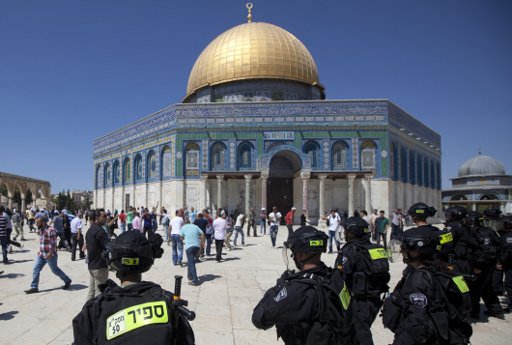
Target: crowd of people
(450, 269)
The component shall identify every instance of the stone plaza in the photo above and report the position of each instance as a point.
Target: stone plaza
(223, 302)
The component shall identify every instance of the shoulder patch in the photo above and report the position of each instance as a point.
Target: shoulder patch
(344, 259)
(281, 295)
(419, 300)
(509, 240)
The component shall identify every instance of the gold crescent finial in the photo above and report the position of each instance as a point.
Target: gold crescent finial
(249, 8)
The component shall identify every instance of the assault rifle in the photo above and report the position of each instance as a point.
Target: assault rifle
(181, 304)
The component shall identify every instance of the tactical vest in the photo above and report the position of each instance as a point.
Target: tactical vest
(133, 318)
(371, 270)
(332, 325)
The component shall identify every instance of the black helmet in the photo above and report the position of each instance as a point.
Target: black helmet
(492, 213)
(307, 239)
(357, 226)
(507, 222)
(422, 239)
(132, 252)
(475, 218)
(456, 213)
(421, 211)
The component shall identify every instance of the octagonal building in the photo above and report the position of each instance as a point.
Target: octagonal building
(256, 130)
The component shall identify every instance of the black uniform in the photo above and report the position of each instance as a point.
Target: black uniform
(428, 307)
(506, 262)
(465, 245)
(484, 262)
(301, 308)
(136, 314)
(365, 269)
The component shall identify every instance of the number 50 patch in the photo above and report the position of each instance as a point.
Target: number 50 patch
(137, 316)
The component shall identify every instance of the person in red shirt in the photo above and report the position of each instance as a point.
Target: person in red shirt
(289, 220)
(122, 221)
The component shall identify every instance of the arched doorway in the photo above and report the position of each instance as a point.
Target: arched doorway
(283, 167)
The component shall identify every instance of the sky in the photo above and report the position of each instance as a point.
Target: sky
(72, 71)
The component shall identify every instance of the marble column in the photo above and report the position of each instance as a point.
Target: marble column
(321, 190)
(9, 197)
(112, 201)
(305, 182)
(219, 190)
(133, 196)
(264, 179)
(247, 192)
(204, 198)
(368, 193)
(350, 179)
(23, 206)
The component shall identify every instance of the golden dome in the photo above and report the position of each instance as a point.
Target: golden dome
(253, 51)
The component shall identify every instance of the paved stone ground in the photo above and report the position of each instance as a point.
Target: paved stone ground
(223, 302)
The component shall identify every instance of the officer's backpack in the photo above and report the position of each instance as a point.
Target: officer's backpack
(334, 325)
(372, 259)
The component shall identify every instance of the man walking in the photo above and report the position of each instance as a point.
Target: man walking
(47, 254)
(251, 223)
(274, 219)
(239, 224)
(96, 240)
(76, 237)
(219, 228)
(192, 236)
(177, 245)
(289, 220)
(381, 225)
(17, 224)
(4, 234)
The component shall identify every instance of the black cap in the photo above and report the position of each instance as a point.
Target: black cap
(357, 226)
(421, 210)
(132, 252)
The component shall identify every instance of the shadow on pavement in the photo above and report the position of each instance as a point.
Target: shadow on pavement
(72, 287)
(207, 278)
(8, 316)
(12, 275)
(19, 261)
(230, 259)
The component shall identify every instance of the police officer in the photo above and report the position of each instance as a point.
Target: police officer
(365, 269)
(464, 243)
(135, 311)
(418, 311)
(505, 261)
(484, 263)
(308, 306)
(419, 213)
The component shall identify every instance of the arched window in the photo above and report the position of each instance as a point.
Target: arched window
(488, 197)
(339, 156)
(438, 175)
(97, 181)
(368, 149)
(218, 156)
(117, 173)
(166, 162)
(393, 161)
(312, 149)
(419, 170)
(458, 197)
(138, 171)
(151, 164)
(192, 156)
(127, 170)
(432, 175)
(412, 167)
(245, 155)
(426, 178)
(403, 164)
(107, 177)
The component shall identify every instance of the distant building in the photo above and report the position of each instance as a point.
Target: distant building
(255, 129)
(14, 186)
(482, 182)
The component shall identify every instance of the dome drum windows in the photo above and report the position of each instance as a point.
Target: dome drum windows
(117, 173)
(312, 150)
(127, 171)
(138, 171)
(192, 158)
(368, 150)
(151, 165)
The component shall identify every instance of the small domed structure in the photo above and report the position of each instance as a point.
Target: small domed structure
(481, 165)
(482, 182)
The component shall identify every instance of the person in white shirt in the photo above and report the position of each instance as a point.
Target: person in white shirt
(373, 228)
(274, 219)
(334, 222)
(219, 233)
(177, 245)
(77, 237)
(239, 224)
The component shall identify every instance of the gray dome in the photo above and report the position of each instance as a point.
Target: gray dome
(481, 165)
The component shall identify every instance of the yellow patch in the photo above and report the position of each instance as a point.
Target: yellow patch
(135, 317)
(130, 261)
(378, 253)
(461, 284)
(316, 243)
(345, 297)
